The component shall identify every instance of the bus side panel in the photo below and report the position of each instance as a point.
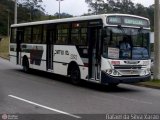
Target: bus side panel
(84, 72)
(36, 55)
(63, 55)
(12, 53)
(60, 68)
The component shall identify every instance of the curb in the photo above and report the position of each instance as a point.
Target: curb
(4, 58)
(148, 86)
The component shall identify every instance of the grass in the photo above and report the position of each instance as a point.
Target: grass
(4, 47)
(151, 83)
(154, 82)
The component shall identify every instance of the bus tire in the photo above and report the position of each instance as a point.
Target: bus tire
(75, 76)
(25, 65)
(113, 84)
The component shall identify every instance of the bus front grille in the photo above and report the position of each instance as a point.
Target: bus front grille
(128, 66)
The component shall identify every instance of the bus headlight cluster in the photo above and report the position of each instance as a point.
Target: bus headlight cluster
(148, 71)
(145, 62)
(145, 72)
(113, 72)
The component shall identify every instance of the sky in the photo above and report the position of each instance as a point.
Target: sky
(77, 7)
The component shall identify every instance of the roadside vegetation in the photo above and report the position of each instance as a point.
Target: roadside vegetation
(28, 11)
(151, 83)
(4, 47)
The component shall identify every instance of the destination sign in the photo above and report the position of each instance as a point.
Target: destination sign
(114, 20)
(127, 20)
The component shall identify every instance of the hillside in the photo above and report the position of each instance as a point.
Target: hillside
(26, 12)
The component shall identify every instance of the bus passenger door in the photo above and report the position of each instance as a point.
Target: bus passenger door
(49, 55)
(94, 52)
(19, 39)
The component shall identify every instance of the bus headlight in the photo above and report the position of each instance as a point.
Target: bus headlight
(109, 71)
(113, 72)
(146, 63)
(145, 72)
(148, 71)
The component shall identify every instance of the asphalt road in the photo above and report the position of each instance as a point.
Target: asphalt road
(44, 95)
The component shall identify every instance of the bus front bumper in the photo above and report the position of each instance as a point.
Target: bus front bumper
(105, 79)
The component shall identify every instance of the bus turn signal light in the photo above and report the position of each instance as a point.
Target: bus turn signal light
(115, 62)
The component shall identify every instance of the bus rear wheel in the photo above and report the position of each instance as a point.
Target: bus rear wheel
(25, 65)
(75, 76)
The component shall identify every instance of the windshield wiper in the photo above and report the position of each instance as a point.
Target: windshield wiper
(140, 30)
(120, 28)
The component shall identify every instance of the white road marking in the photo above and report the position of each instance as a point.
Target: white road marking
(48, 108)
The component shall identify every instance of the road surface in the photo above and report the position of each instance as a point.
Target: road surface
(44, 95)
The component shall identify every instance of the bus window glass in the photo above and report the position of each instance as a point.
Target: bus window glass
(27, 35)
(75, 36)
(126, 43)
(37, 35)
(83, 36)
(13, 35)
(44, 34)
(79, 34)
(62, 33)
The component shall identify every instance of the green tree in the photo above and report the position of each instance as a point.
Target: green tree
(111, 6)
(121, 6)
(25, 14)
(63, 15)
(140, 10)
(5, 10)
(33, 9)
(150, 11)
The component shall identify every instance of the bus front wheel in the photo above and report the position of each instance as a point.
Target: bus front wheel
(113, 84)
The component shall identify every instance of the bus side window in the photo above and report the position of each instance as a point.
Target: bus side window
(62, 34)
(44, 34)
(79, 34)
(37, 34)
(13, 35)
(27, 34)
(75, 36)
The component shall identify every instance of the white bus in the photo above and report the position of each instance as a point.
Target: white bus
(89, 47)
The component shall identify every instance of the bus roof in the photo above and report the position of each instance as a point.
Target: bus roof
(81, 18)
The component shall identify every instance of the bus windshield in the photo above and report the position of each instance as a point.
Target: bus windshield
(126, 43)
